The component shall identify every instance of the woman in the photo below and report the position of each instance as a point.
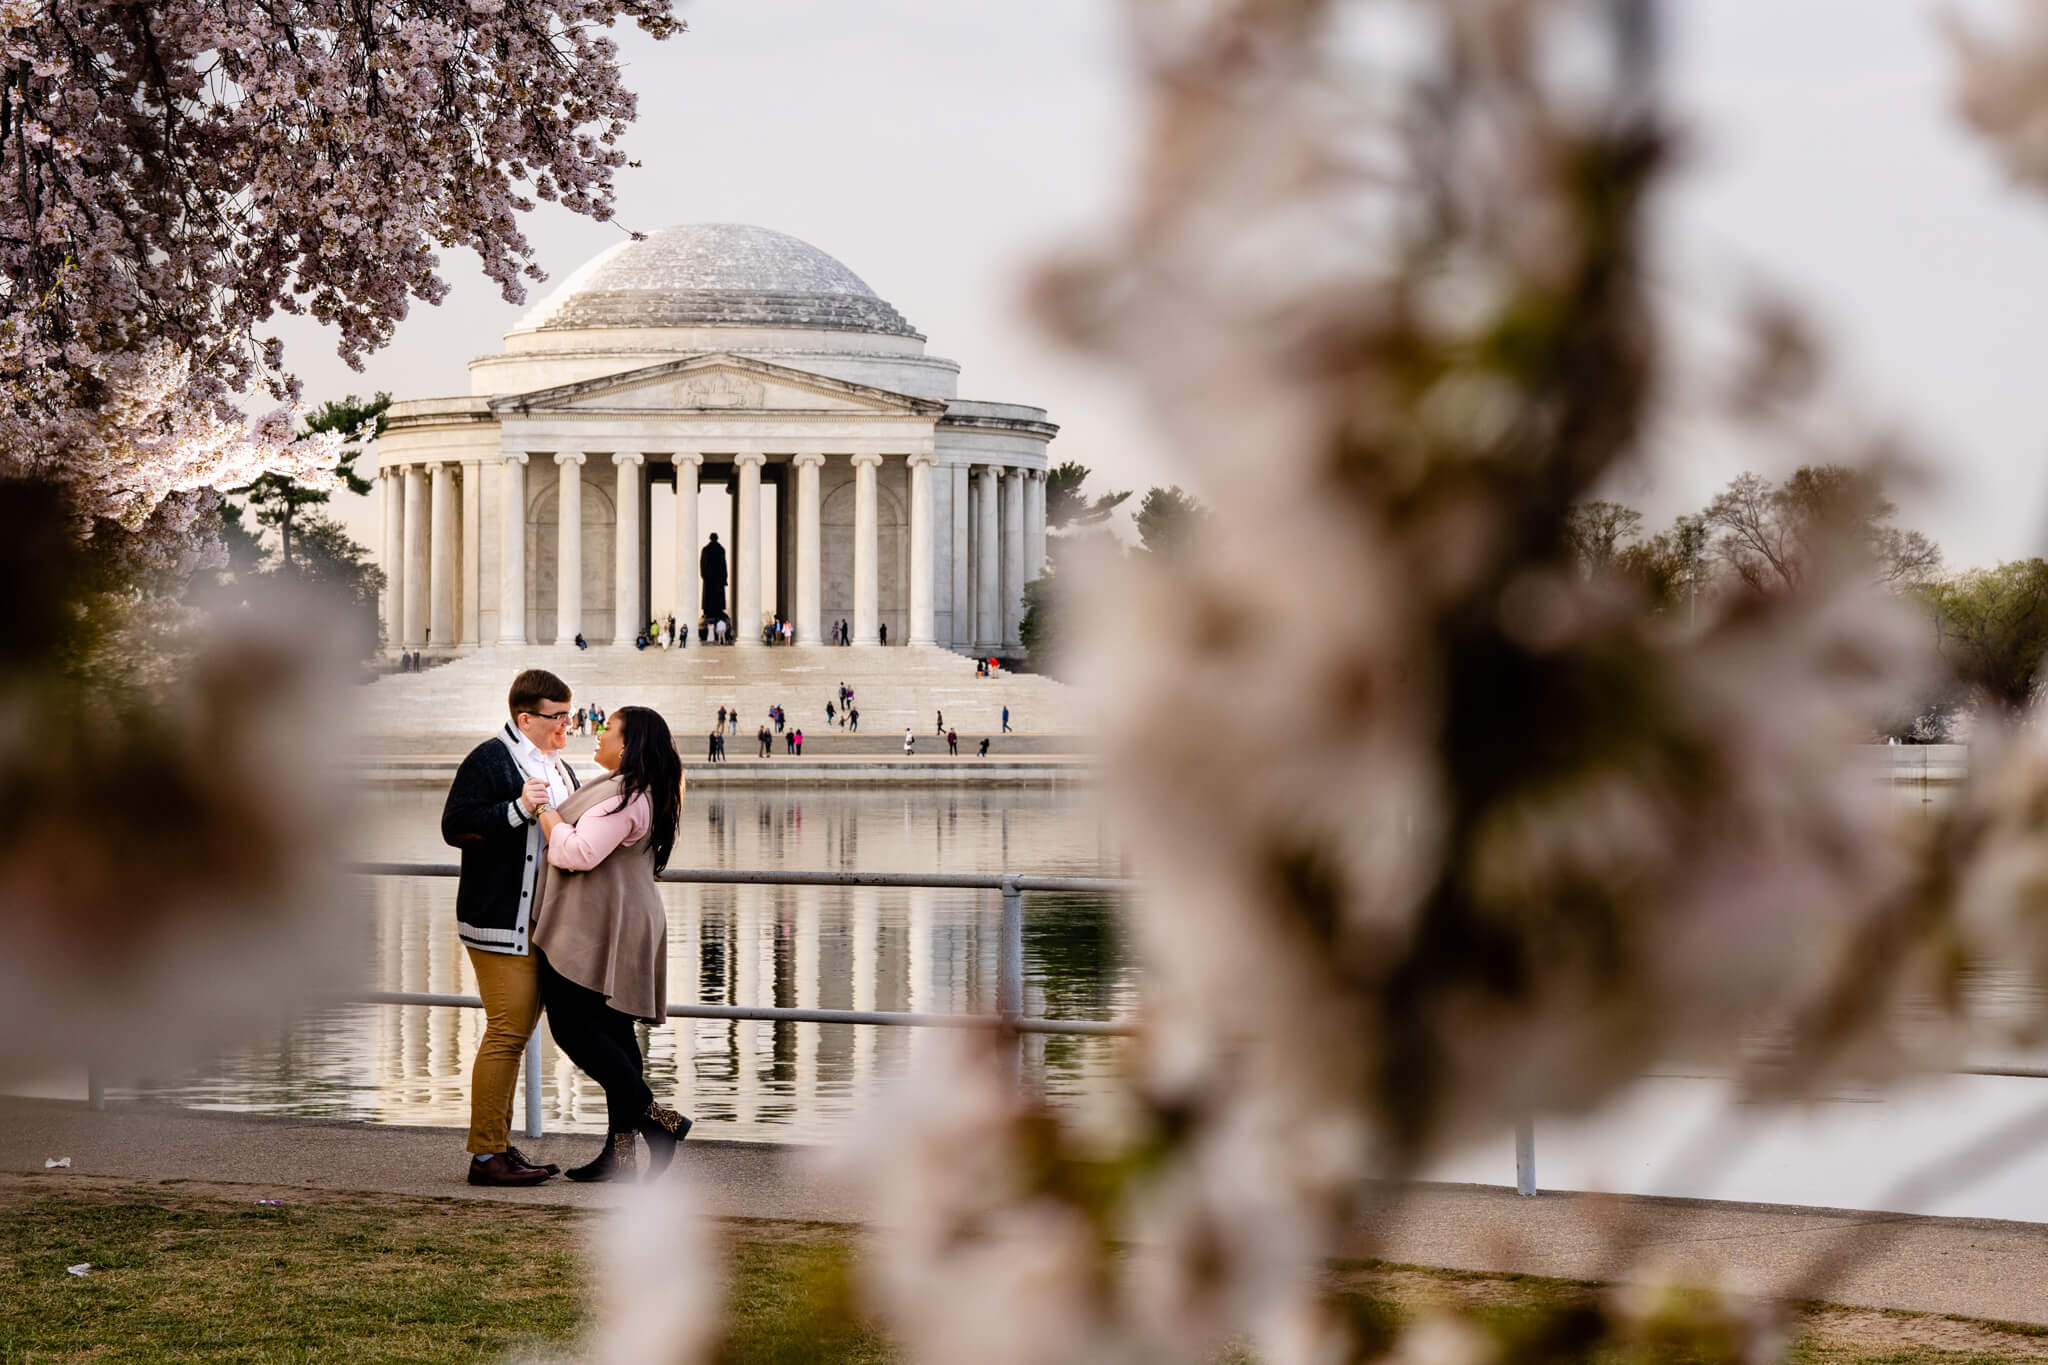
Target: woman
(601, 939)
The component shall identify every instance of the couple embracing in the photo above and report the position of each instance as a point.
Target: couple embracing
(558, 909)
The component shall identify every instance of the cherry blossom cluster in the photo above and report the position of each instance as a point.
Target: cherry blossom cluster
(1437, 833)
(182, 171)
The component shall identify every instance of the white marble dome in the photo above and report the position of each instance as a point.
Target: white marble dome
(715, 275)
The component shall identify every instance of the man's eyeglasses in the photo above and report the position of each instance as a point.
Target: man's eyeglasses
(551, 717)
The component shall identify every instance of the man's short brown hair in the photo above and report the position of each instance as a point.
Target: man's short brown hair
(533, 687)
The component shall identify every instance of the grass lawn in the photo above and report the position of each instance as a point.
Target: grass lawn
(189, 1276)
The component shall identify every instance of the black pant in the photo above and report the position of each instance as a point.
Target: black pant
(601, 1042)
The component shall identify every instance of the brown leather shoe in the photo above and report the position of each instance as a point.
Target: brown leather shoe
(523, 1159)
(504, 1169)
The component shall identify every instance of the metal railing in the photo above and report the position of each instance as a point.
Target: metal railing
(1009, 1015)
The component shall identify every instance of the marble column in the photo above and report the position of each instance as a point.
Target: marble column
(626, 617)
(921, 555)
(746, 608)
(962, 632)
(689, 590)
(988, 629)
(1034, 524)
(471, 609)
(415, 633)
(810, 588)
(394, 557)
(867, 549)
(441, 558)
(512, 552)
(1012, 616)
(569, 549)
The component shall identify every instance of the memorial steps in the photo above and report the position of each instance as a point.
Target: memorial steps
(893, 688)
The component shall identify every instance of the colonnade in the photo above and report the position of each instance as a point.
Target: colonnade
(996, 546)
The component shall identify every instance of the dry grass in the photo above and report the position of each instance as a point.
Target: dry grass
(189, 1274)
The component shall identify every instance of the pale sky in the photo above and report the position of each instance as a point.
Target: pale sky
(937, 148)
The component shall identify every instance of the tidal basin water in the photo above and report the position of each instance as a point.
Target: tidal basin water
(861, 948)
(936, 951)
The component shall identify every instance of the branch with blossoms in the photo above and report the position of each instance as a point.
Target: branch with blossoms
(184, 170)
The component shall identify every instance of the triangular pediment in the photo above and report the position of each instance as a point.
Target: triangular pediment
(717, 383)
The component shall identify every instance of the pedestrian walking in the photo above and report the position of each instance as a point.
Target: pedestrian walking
(953, 743)
(982, 752)
(831, 715)
(721, 717)
(853, 720)
(1006, 720)
(909, 742)
(940, 728)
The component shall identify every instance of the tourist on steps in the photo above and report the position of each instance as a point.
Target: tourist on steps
(953, 743)
(982, 752)
(909, 742)
(492, 815)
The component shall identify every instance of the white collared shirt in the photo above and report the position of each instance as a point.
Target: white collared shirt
(533, 763)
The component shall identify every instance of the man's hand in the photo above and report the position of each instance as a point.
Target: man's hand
(533, 795)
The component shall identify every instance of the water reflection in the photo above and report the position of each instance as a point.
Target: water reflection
(863, 948)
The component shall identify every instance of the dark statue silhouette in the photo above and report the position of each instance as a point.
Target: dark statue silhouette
(711, 568)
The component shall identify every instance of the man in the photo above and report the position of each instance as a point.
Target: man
(982, 752)
(492, 815)
(1006, 720)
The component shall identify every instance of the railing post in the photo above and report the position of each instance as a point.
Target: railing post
(1010, 975)
(534, 1125)
(1525, 1157)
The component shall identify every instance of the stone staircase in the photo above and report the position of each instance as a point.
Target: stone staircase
(893, 687)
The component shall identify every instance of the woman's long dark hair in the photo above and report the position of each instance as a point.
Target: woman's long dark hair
(651, 764)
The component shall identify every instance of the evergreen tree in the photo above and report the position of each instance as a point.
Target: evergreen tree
(1066, 505)
(1168, 518)
(277, 498)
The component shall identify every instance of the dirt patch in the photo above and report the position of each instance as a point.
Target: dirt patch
(1828, 1329)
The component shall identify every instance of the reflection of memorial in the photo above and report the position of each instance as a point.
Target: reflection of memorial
(811, 947)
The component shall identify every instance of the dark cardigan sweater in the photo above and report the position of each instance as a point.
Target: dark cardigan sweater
(500, 859)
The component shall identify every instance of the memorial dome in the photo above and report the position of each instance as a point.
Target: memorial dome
(715, 275)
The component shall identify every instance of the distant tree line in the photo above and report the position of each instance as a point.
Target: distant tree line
(1756, 536)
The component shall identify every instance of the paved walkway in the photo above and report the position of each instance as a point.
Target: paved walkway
(1977, 1268)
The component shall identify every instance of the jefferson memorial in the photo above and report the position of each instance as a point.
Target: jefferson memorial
(711, 379)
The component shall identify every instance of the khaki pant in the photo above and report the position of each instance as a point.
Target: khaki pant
(511, 995)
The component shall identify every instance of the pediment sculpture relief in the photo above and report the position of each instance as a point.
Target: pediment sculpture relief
(720, 390)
